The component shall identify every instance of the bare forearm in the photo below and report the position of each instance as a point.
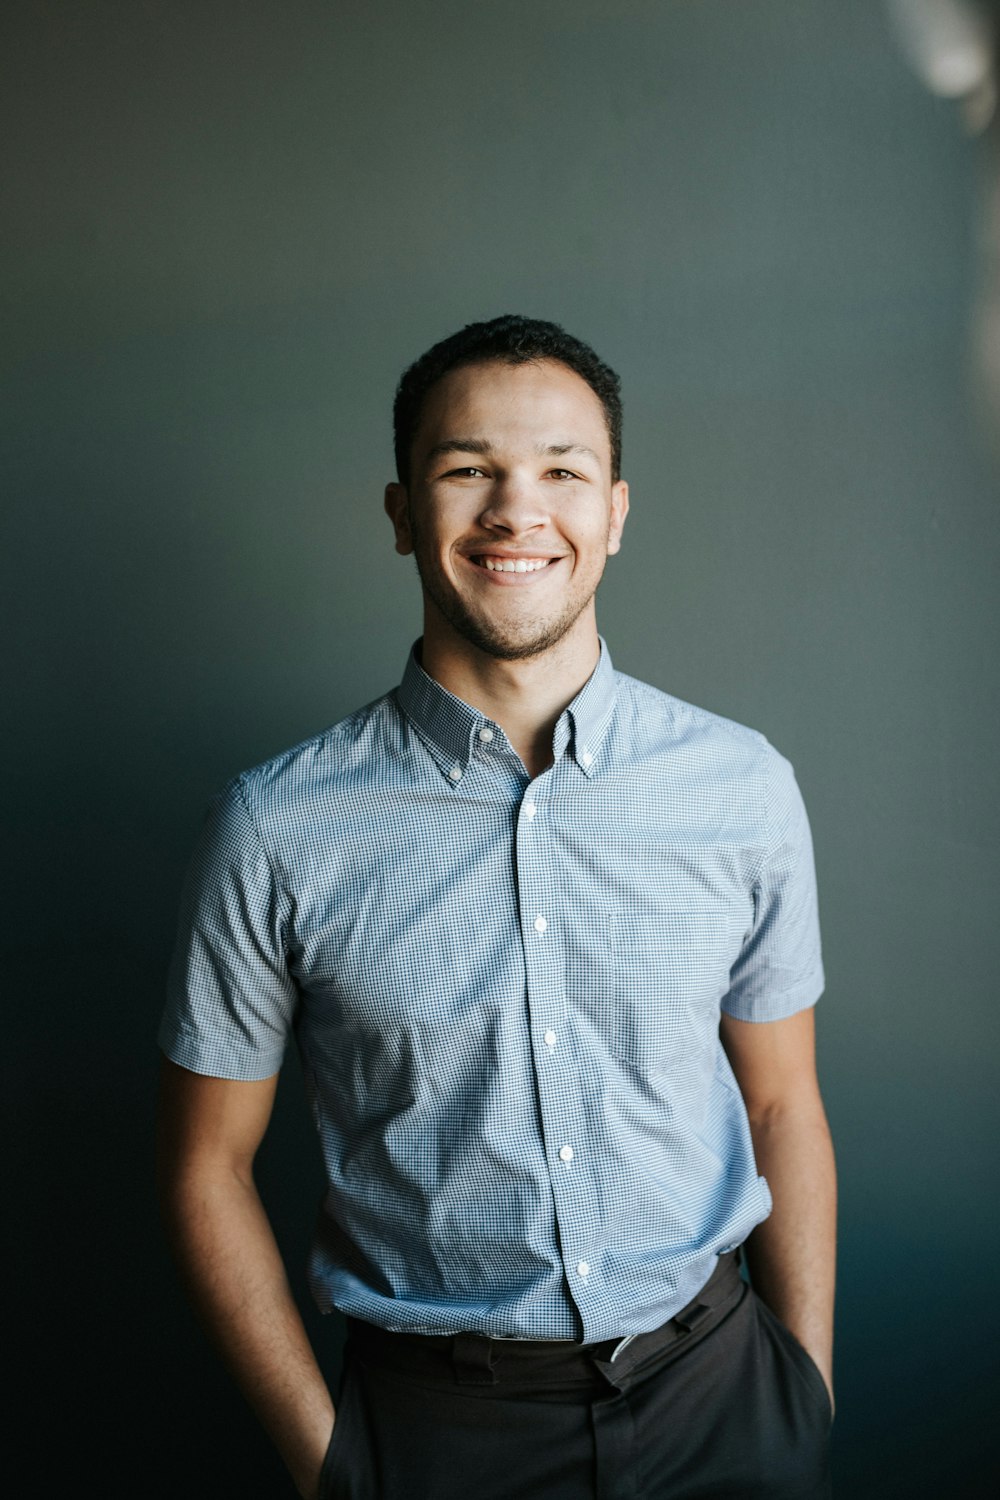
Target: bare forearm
(231, 1263)
(792, 1255)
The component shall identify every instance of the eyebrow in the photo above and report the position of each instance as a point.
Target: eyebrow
(482, 447)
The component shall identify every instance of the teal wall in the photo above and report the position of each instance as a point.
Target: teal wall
(231, 225)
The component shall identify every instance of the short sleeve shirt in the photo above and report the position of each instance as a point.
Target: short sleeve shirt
(506, 993)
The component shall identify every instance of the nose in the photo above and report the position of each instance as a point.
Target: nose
(515, 506)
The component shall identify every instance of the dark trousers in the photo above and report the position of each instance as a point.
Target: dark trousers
(720, 1402)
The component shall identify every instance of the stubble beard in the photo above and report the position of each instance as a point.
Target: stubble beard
(532, 637)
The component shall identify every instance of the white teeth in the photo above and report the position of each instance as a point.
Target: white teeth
(518, 565)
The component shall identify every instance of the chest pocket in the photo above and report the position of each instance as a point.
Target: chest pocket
(671, 971)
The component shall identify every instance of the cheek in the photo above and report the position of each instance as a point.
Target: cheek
(598, 543)
(425, 534)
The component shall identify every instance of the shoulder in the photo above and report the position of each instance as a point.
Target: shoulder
(325, 765)
(650, 713)
(709, 754)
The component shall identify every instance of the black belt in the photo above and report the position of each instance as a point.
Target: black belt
(478, 1359)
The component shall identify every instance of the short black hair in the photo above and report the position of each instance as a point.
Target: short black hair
(515, 341)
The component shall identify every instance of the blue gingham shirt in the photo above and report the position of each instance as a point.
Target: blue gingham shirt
(506, 994)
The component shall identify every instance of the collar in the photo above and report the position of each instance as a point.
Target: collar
(454, 730)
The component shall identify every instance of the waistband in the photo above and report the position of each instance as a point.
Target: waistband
(479, 1359)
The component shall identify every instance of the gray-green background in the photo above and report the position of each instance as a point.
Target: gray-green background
(229, 226)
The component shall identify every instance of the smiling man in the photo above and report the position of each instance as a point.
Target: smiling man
(547, 939)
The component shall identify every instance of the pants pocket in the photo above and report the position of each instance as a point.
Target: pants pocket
(330, 1476)
(800, 1359)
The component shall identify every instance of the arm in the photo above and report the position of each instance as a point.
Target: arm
(209, 1132)
(792, 1254)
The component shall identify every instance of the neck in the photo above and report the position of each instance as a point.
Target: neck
(524, 697)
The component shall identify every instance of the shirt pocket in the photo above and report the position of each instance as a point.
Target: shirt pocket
(671, 970)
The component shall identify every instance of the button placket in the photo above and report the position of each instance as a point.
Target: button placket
(557, 1075)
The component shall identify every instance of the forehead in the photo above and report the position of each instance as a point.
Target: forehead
(506, 404)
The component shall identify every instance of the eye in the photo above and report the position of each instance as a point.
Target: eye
(470, 471)
(563, 474)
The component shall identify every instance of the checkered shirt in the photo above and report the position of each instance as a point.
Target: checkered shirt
(506, 995)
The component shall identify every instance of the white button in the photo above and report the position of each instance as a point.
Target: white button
(587, 758)
(565, 1153)
(549, 1039)
(456, 772)
(530, 809)
(540, 924)
(583, 1269)
(486, 735)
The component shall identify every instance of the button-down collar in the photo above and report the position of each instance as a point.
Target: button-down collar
(452, 729)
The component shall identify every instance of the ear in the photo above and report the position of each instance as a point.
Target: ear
(397, 508)
(619, 510)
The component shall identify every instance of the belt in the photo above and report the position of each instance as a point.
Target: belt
(481, 1359)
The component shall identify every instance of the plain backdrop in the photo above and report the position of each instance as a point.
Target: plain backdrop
(228, 228)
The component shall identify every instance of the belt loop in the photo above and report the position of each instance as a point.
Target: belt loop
(472, 1356)
(689, 1317)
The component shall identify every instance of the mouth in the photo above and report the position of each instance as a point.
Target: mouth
(498, 563)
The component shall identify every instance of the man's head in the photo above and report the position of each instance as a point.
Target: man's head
(509, 504)
(511, 340)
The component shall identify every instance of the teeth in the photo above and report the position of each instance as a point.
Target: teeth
(518, 565)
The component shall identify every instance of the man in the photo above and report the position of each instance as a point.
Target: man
(547, 938)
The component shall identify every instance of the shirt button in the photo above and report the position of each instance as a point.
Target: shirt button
(586, 758)
(456, 772)
(565, 1153)
(530, 809)
(540, 924)
(583, 1269)
(549, 1039)
(486, 734)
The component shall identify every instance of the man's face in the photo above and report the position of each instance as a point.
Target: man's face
(510, 511)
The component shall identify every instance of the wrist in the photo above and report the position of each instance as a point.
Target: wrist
(306, 1469)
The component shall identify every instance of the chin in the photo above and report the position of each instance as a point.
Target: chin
(509, 645)
(506, 650)
(513, 642)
